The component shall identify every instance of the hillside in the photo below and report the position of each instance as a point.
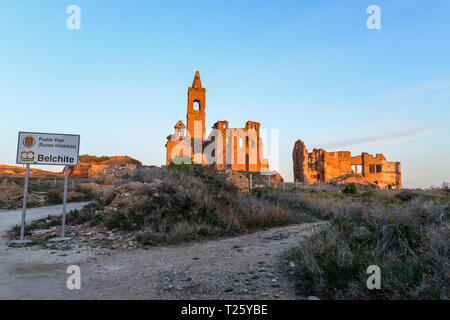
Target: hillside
(404, 232)
(16, 171)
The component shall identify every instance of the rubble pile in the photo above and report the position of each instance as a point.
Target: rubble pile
(83, 236)
(355, 178)
(11, 196)
(262, 180)
(124, 197)
(128, 195)
(236, 178)
(241, 179)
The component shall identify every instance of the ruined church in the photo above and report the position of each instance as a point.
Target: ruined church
(239, 149)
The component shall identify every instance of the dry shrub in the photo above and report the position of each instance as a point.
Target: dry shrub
(194, 203)
(408, 242)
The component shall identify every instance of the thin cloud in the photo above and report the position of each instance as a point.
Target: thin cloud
(392, 138)
(425, 89)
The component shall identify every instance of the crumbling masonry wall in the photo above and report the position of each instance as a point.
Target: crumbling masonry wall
(322, 166)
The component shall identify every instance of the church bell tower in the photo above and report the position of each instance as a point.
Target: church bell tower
(196, 117)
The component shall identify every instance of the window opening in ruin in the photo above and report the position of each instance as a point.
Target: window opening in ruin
(378, 168)
(372, 168)
(241, 143)
(196, 105)
(357, 168)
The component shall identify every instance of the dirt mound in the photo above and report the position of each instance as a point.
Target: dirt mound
(122, 160)
(185, 203)
(128, 195)
(118, 167)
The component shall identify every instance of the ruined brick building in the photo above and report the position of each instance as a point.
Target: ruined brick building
(235, 148)
(322, 166)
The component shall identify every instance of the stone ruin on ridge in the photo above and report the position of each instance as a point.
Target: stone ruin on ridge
(321, 166)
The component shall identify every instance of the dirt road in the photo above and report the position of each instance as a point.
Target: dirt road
(10, 218)
(251, 266)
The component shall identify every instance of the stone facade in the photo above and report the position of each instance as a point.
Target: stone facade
(322, 166)
(226, 148)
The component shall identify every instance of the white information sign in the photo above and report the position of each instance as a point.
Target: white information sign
(48, 149)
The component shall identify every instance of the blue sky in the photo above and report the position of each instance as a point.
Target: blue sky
(311, 69)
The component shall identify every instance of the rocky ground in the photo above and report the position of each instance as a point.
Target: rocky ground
(251, 266)
(44, 192)
(11, 196)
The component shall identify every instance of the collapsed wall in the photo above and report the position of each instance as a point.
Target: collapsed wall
(320, 166)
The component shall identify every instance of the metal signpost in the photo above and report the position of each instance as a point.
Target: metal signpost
(24, 209)
(46, 149)
(63, 225)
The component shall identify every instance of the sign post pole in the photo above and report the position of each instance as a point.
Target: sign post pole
(24, 210)
(63, 225)
(24, 205)
(66, 178)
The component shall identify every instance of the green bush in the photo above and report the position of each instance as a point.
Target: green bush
(180, 163)
(258, 192)
(350, 189)
(406, 195)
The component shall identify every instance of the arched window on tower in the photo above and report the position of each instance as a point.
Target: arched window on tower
(196, 105)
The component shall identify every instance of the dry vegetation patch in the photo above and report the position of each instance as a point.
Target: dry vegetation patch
(406, 233)
(176, 204)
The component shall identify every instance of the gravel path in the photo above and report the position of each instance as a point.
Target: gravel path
(251, 266)
(10, 218)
